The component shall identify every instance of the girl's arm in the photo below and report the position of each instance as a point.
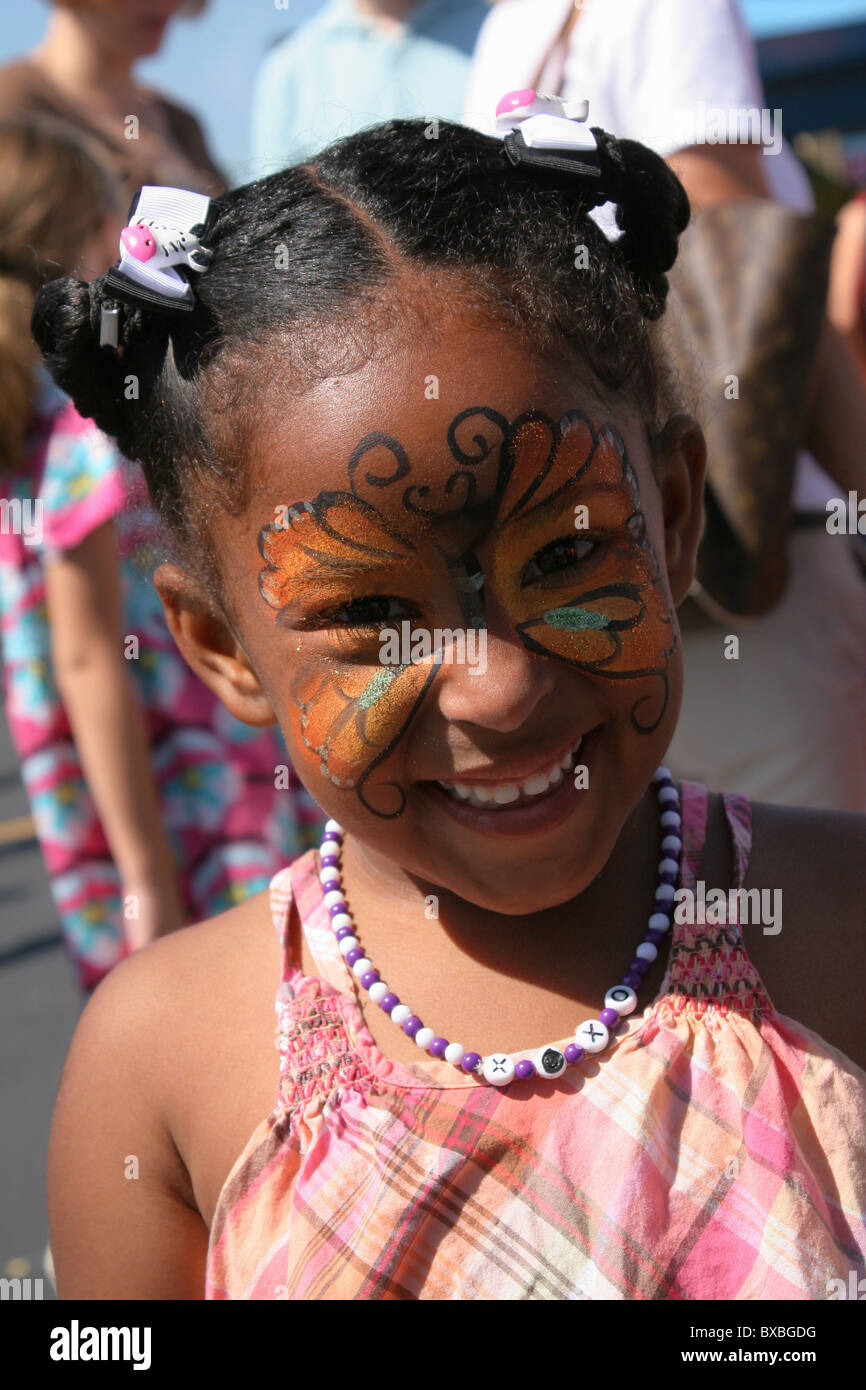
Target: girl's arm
(107, 721)
(122, 1215)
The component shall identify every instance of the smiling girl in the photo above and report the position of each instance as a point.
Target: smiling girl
(503, 1070)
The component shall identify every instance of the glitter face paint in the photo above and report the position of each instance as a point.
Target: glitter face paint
(609, 614)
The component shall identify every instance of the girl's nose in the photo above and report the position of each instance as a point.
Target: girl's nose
(498, 686)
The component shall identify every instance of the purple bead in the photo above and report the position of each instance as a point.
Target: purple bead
(338, 908)
(609, 1017)
(663, 905)
(329, 861)
(369, 978)
(638, 966)
(632, 979)
(574, 1053)
(664, 782)
(437, 1047)
(470, 1061)
(654, 936)
(332, 835)
(355, 953)
(411, 1026)
(342, 932)
(389, 1002)
(524, 1069)
(670, 878)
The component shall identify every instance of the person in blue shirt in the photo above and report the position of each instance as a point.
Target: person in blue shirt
(358, 62)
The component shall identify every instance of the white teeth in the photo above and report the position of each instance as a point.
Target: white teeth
(507, 792)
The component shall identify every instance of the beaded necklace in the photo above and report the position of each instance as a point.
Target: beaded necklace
(591, 1036)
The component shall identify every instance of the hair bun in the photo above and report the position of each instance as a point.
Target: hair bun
(652, 211)
(65, 325)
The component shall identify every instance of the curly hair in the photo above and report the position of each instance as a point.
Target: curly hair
(351, 223)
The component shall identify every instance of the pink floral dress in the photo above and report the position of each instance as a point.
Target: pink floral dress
(231, 818)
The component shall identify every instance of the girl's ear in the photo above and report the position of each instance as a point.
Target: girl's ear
(681, 458)
(206, 640)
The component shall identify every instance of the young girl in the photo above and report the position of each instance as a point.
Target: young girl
(417, 399)
(151, 803)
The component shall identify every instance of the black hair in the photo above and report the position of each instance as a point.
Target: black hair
(348, 224)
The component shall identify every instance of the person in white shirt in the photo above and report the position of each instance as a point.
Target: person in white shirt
(786, 722)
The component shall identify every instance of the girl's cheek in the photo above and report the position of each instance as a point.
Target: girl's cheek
(348, 720)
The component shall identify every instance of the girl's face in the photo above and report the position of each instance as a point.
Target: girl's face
(453, 592)
(132, 29)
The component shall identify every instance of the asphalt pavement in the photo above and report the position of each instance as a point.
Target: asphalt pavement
(39, 1006)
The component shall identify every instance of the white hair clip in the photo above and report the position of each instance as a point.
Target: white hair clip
(162, 241)
(549, 133)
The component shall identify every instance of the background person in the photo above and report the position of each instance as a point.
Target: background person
(82, 73)
(357, 62)
(152, 805)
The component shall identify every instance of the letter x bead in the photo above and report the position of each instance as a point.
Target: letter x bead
(498, 1069)
(592, 1035)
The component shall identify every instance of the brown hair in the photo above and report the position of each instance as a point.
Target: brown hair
(54, 198)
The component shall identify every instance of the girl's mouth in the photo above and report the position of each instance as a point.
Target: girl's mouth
(519, 807)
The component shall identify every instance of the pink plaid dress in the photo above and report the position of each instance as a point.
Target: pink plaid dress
(715, 1151)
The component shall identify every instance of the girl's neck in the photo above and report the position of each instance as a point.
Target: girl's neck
(73, 59)
(608, 915)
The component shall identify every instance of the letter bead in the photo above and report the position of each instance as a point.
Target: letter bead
(498, 1069)
(592, 1035)
(549, 1062)
(622, 999)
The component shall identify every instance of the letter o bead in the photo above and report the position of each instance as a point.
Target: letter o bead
(622, 998)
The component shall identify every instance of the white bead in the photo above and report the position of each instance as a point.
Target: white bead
(592, 1035)
(666, 892)
(670, 820)
(378, 991)
(347, 943)
(672, 844)
(549, 1062)
(342, 919)
(659, 922)
(498, 1069)
(333, 898)
(622, 998)
(362, 966)
(661, 774)
(647, 951)
(424, 1037)
(330, 874)
(668, 866)
(400, 1013)
(333, 825)
(454, 1053)
(668, 796)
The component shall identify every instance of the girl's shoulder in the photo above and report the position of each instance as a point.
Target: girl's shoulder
(807, 934)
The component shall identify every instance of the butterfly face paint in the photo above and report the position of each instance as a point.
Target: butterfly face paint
(606, 610)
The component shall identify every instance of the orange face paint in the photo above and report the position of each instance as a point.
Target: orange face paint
(608, 613)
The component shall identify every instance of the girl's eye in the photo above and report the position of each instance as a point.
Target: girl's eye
(559, 555)
(372, 611)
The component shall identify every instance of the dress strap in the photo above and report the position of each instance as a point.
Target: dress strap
(708, 962)
(281, 896)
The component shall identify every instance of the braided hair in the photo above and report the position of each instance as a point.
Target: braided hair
(349, 223)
